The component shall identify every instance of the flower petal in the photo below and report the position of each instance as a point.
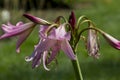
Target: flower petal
(65, 46)
(36, 60)
(9, 27)
(55, 50)
(42, 31)
(44, 45)
(44, 60)
(22, 38)
(18, 30)
(59, 33)
(31, 57)
(19, 23)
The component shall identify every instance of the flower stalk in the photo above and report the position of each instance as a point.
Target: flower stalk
(77, 68)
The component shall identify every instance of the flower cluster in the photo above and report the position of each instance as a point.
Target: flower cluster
(57, 36)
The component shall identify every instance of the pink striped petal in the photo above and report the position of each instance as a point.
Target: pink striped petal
(22, 38)
(36, 60)
(18, 30)
(59, 33)
(55, 50)
(44, 45)
(9, 27)
(65, 46)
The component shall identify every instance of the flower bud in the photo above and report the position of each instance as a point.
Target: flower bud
(112, 41)
(36, 19)
(72, 20)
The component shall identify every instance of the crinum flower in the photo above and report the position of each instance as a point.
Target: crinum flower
(57, 39)
(20, 29)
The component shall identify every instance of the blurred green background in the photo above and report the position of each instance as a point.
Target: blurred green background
(104, 13)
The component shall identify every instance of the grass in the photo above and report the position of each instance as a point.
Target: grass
(105, 16)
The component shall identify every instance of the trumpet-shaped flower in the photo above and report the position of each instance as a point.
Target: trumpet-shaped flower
(51, 43)
(92, 43)
(112, 41)
(20, 29)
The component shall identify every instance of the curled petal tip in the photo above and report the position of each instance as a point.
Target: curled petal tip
(46, 68)
(28, 58)
(18, 50)
(44, 60)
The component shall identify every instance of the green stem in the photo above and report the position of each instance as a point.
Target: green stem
(77, 69)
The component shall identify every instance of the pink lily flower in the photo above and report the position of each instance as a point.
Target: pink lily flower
(112, 41)
(56, 40)
(20, 29)
(92, 44)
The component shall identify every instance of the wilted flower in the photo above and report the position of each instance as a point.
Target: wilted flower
(20, 29)
(51, 43)
(112, 41)
(92, 43)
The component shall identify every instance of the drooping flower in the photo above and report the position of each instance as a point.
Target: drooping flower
(20, 29)
(92, 43)
(36, 19)
(72, 20)
(112, 41)
(51, 43)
